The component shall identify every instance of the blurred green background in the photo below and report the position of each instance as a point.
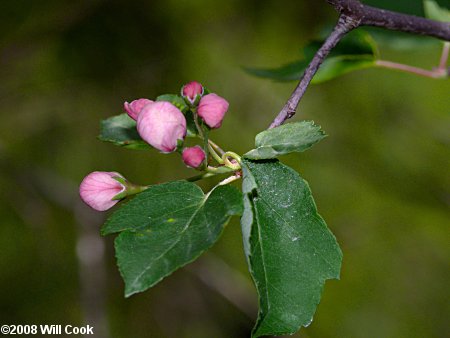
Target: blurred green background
(381, 178)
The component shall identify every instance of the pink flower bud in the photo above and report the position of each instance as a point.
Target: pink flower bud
(191, 90)
(212, 109)
(134, 108)
(193, 157)
(99, 188)
(161, 124)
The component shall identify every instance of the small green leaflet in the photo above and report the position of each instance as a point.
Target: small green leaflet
(166, 227)
(341, 65)
(176, 100)
(289, 249)
(356, 51)
(285, 139)
(121, 130)
(435, 12)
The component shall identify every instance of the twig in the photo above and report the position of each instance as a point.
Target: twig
(377, 17)
(434, 74)
(344, 25)
(352, 15)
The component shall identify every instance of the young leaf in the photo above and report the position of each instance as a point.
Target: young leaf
(166, 227)
(285, 139)
(176, 100)
(290, 250)
(287, 72)
(356, 51)
(435, 12)
(121, 130)
(340, 65)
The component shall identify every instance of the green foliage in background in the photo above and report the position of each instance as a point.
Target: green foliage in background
(356, 51)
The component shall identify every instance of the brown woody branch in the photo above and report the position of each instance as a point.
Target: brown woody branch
(371, 16)
(354, 14)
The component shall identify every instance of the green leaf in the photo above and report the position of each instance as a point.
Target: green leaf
(398, 40)
(176, 100)
(190, 124)
(435, 12)
(356, 51)
(289, 249)
(288, 72)
(337, 66)
(285, 139)
(121, 130)
(179, 102)
(166, 227)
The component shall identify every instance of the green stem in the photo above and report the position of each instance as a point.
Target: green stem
(203, 136)
(228, 163)
(136, 189)
(205, 148)
(219, 170)
(131, 189)
(216, 147)
(197, 124)
(233, 155)
(214, 154)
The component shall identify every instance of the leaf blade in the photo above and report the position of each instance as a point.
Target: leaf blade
(176, 100)
(435, 12)
(167, 227)
(121, 131)
(285, 139)
(288, 245)
(356, 51)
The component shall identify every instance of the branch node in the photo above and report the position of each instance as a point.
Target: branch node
(352, 15)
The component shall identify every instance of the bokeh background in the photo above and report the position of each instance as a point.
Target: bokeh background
(381, 178)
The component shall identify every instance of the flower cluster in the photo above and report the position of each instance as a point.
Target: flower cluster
(163, 125)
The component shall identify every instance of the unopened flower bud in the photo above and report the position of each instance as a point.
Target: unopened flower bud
(134, 108)
(212, 109)
(161, 124)
(193, 156)
(99, 188)
(192, 92)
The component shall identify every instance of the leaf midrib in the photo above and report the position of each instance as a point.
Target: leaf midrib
(157, 218)
(202, 203)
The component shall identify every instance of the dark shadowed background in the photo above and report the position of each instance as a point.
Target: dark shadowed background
(381, 179)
